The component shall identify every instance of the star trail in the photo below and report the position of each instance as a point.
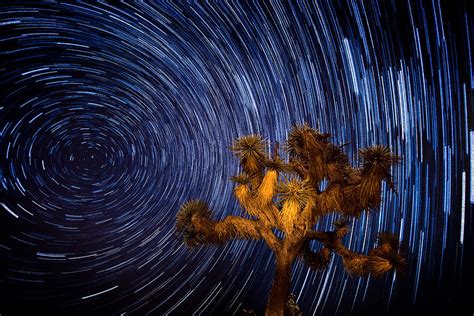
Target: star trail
(111, 117)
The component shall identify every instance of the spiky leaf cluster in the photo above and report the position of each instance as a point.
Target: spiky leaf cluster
(184, 224)
(241, 179)
(295, 190)
(377, 158)
(357, 265)
(276, 164)
(250, 150)
(388, 256)
(303, 139)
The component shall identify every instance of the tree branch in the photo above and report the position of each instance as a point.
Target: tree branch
(208, 231)
(272, 241)
(387, 256)
(261, 206)
(349, 198)
(234, 227)
(315, 260)
(196, 227)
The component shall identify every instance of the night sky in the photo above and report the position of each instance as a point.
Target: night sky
(111, 117)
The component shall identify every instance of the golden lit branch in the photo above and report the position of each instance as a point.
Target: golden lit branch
(250, 150)
(231, 227)
(306, 147)
(351, 199)
(255, 206)
(243, 195)
(388, 256)
(272, 241)
(267, 189)
(196, 227)
(294, 195)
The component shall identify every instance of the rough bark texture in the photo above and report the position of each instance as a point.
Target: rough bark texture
(280, 289)
(294, 203)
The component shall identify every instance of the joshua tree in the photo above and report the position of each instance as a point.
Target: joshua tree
(284, 200)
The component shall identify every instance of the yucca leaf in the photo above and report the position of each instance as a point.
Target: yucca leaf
(303, 140)
(184, 225)
(250, 150)
(297, 190)
(241, 179)
(377, 158)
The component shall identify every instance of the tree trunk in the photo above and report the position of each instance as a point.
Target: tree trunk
(280, 288)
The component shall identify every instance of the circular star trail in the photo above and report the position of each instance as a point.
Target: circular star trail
(111, 117)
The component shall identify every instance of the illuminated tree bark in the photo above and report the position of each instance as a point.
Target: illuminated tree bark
(286, 196)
